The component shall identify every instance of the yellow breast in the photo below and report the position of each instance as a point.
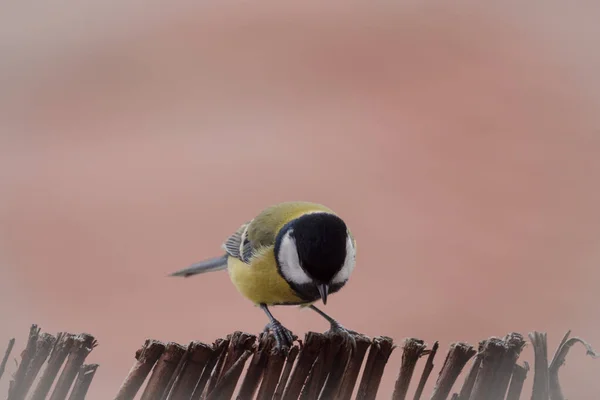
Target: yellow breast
(260, 281)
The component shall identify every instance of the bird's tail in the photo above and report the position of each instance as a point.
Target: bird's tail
(210, 265)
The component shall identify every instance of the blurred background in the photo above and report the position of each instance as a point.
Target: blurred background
(460, 143)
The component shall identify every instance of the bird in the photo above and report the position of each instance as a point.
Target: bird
(293, 253)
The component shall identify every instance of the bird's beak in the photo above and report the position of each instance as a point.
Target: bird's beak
(323, 291)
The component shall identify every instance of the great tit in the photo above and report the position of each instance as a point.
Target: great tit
(292, 253)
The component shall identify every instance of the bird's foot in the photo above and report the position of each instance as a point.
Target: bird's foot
(284, 338)
(347, 335)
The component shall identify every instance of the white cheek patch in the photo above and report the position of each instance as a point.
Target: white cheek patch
(344, 274)
(290, 262)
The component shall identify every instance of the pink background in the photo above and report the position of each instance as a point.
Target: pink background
(461, 144)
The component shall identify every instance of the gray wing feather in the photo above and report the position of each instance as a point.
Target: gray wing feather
(232, 245)
(238, 245)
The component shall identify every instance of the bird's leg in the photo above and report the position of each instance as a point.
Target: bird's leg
(337, 328)
(283, 336)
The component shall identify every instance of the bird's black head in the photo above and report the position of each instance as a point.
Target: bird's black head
(315, 255)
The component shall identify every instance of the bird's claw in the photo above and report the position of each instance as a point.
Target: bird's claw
(347, 335)
(284, 338)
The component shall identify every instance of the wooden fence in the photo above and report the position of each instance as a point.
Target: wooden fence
(242, 366)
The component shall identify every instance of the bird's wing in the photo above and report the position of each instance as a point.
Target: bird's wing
(237, 245)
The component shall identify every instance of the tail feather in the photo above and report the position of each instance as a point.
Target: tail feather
(210, 265)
